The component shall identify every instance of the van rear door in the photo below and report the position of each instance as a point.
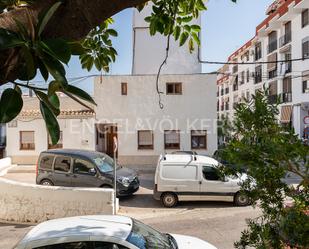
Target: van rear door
(181, 179)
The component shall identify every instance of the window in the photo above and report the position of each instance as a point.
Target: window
(306, 48)
(272, 42)
(184, 172)
(174, 88)
(258, 51)
(59, 145)
(124, 88)
(258, 74)
(199, 139)
(287, 90)
(305, 18)
(172, 139)
(47, 162)
(27, 140)
(248, 76)
(242, 77)
(62, 164)
(145, 140)
(211, 173)
(306, 82)
(83, 167)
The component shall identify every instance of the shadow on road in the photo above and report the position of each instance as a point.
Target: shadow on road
(13, 225)
(147, 201)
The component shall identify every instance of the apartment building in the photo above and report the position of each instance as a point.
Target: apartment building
(277, 57)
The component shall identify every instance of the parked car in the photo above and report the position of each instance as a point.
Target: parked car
(195, 178)
(104, 232)
(81, 168)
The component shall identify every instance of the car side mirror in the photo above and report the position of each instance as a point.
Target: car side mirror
(92, 171)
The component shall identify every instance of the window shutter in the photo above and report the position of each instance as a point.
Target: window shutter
(272, 66)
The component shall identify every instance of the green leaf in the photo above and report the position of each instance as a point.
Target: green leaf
(76, 48)
(57, 48)
(53, 87)
(112, 32)
(196, 28)
(177, 32)
(196, 39)
(44, 19)
(51, 122)
(54, 100)
(30, 66)
(11, 104)
(79, 93)
(43, 97)
(183, 38)
(56, 69)
(9, 39)
(43, 70)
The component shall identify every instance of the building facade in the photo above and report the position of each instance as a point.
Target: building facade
(277, 58)
(128, 109)
(27, 135)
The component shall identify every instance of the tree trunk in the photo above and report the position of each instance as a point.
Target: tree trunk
(72, 21)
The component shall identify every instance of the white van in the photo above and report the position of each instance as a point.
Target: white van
(195, 178)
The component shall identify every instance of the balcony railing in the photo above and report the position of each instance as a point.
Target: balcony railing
(286, 97)
(272, 99)
(272, 74)
(272, 46)
(284, 40)
(287, 67)
(235, 87)
(227, 106)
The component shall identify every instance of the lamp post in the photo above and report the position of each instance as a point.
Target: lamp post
(115, 174)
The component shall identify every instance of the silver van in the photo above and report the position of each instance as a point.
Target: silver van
(195, 178)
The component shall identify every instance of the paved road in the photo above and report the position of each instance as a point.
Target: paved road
(219, 223)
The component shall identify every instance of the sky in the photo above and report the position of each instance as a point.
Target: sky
(226, 26)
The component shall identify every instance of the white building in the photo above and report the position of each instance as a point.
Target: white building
(282, 36)
(27, 135)
(128, 108)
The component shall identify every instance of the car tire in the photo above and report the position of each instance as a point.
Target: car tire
(169, 200)
(46, 182)
(241, 199)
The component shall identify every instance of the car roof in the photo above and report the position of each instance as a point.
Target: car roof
(72, 152)
(97, 225)
(185, 159)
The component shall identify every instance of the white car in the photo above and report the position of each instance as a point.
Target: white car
(104, 232)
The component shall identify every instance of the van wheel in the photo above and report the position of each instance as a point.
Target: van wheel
(169, 200)
(241, 199)
(47, 183)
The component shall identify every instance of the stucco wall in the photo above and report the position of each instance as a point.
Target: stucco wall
(195, 109)
(21, 202)
(77, 134)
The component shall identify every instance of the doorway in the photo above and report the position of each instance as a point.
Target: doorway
(105, 134)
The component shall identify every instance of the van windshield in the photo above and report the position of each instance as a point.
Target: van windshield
(104, 163)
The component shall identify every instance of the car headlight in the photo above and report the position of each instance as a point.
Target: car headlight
(125, 181)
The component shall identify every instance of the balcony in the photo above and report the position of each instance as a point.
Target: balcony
(272, 46)
(286, 97)
(235, 87)
(272, 74)
(287, 67)
(227, 106)
(272, 99)
(284, 40)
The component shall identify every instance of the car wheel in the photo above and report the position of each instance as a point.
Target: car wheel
(47, 183)
(169, 200)
(241, 199)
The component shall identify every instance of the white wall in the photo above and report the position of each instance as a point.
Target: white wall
(22, 202)
(75, 134)
(139, 110)
(149, 51)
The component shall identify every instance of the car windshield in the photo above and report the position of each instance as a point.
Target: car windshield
(104, 163)
(145, 237)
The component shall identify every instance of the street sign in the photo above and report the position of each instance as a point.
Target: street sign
(306, 120)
